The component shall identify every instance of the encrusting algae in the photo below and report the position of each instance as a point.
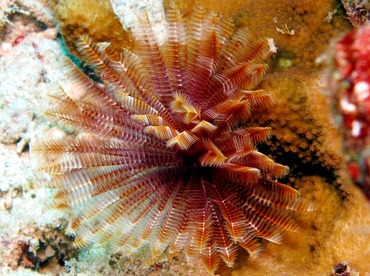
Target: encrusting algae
(303, 137)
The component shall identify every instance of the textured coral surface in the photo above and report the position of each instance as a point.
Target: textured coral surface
(98, 21)
(336, 232)
(301, 29)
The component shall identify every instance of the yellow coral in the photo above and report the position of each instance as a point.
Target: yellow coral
(94, 18)
(306, 18)
(338, 231)
(300, 119)
(292, 24)
(303, 20)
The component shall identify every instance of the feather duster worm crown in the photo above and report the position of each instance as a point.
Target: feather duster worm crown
(165, 158)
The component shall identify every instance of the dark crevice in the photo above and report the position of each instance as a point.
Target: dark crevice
(297, 166)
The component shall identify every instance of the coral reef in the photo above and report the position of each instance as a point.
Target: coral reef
(336, 233)
(302, 20)
(358, 11)
(292, 25)
(303, 132)
(37, 248)
(97, 21)
(31, 50)
(37, 10)
(343, 269)
(30, 237)
(351, 93)
(118, 263)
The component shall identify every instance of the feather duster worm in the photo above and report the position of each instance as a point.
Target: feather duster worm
(165, 158)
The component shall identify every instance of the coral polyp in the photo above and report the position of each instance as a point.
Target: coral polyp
(165, 158)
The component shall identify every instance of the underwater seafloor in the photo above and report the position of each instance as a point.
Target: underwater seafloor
(334, 239)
